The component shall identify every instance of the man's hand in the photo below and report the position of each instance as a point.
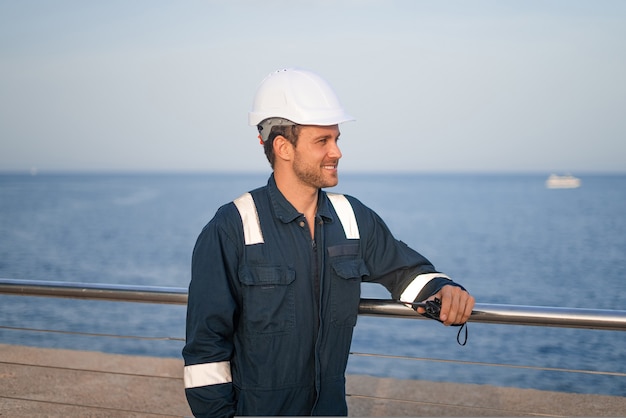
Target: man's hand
(456, 305)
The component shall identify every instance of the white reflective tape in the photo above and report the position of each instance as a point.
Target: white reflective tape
(416, 286)
(206, 374)
(346, 215)
(250, 218)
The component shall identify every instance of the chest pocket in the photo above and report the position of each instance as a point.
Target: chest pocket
(345, 292)
(269, 299)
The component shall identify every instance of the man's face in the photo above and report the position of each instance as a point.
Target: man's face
(317, 155)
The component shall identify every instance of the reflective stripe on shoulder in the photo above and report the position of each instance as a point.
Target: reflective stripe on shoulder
(416, 286)
(346, 215)
(250, 218)
(207, 374)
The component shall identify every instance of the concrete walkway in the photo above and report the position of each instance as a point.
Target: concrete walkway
(67, 383)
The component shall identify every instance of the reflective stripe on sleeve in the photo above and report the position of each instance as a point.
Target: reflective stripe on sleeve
(206, 374)
(346, 215)
(250, 218)
(416, 286)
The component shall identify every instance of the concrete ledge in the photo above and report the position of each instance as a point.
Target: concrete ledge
(61, 383)
(392, 397)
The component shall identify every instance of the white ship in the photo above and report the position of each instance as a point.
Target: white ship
(562, 182)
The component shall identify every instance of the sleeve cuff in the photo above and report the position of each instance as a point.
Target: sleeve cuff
(418, 284)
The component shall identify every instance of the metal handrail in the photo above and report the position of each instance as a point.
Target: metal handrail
(95, 291)
(601, 319)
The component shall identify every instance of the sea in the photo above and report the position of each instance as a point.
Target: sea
(505, 237)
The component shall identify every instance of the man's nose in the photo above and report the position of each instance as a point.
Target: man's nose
(335, 152)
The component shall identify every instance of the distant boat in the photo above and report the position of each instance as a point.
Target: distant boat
(562, 182)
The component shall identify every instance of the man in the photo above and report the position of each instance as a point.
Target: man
(276, 274)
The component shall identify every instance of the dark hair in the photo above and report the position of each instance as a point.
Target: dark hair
(290, 132)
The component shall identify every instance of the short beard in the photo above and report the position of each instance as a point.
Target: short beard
(313, 176)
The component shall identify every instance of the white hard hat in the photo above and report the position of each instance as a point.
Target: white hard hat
(299, 96)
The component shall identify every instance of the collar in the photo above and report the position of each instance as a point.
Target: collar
(285, 211)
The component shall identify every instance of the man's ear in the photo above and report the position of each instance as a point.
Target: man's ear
(283, 149)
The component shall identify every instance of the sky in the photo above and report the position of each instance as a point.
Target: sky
(435, 86)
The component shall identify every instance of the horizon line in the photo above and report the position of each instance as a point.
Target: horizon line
(42, 172)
